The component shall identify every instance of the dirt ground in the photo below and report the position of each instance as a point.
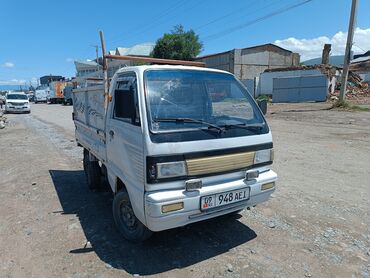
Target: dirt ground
(316, 225)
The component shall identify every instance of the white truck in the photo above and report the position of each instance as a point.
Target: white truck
(41, 95)
(172, 154)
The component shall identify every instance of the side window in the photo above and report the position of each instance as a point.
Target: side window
(126, 106)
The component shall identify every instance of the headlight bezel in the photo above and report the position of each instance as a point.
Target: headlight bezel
(263, 156)
(166, 170)
(156, 164)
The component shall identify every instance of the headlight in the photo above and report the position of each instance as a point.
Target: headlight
(171, 169)
(263, 156)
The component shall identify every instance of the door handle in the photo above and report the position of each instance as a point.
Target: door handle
(111, 133)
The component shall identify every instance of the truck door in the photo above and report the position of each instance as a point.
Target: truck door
(124, 136)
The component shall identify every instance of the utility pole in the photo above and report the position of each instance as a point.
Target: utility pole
(96, 52)
(351, 28)
(105, 72)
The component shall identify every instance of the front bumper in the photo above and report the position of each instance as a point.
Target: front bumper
(158, 221)
(19, 109)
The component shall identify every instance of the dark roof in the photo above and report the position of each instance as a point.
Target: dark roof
(367, 53)
(268, 46)
(263, 47)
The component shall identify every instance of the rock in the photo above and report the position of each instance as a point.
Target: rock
(136, 275)
(272, 225)
(108, 265)
(88, 245)
(229, 268)
(307, 274)
(253, 251)
(34, 183)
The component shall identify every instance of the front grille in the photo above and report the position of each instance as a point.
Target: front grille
(17, 103)
(219, 163)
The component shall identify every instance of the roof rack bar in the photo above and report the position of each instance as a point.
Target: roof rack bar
(154, 60)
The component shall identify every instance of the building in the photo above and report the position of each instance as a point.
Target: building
(361, 66)
(248, 63)
(45, 80)
(93, 69)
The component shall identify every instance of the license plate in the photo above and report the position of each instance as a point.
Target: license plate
(224, 198)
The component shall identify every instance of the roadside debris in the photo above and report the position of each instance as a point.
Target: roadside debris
(357, 89)
(2, 120)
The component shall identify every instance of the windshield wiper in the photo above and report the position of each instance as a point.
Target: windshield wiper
(190, 120)
(257, 126)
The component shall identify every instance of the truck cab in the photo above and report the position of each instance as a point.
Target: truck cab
(172, 152)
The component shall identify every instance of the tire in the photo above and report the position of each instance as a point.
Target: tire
(85, 160)
(92, 171)
(128, 225)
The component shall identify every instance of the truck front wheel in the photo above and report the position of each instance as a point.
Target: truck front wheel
(129, 226)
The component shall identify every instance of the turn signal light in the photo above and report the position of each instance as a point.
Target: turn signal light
(267, 186)
(172, 207)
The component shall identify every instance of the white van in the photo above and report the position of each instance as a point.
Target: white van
(172, 152)
(41, 95)
(17, 102)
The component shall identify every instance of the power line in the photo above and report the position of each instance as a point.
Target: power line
(161, 21)
(251, 12)
(226, 15)
(241, 26)
(151, 23)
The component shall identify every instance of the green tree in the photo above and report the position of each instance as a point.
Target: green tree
(178, 45)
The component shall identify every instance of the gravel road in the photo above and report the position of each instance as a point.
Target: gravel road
(316, 225)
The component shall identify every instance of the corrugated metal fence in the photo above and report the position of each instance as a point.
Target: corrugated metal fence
(300, 88)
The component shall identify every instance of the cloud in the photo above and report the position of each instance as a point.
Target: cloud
(34, 80)
(13, 82)
(8, 65)
(70, 60)
(312, 48)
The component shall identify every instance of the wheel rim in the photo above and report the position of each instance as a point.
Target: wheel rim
(127, 216)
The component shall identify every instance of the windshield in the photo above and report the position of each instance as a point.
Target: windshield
(191, 99)
(16, 96)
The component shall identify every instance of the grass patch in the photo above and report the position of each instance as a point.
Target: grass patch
(264, 97)
(362, 109)
(347, 106)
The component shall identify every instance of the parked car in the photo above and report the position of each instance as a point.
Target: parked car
(67, 92)
(31, 97)
(17, 102)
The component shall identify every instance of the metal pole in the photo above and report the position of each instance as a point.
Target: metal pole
(154, 60)
(105, 72)
(347, 54)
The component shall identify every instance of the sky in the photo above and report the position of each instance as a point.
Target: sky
(44, 37)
